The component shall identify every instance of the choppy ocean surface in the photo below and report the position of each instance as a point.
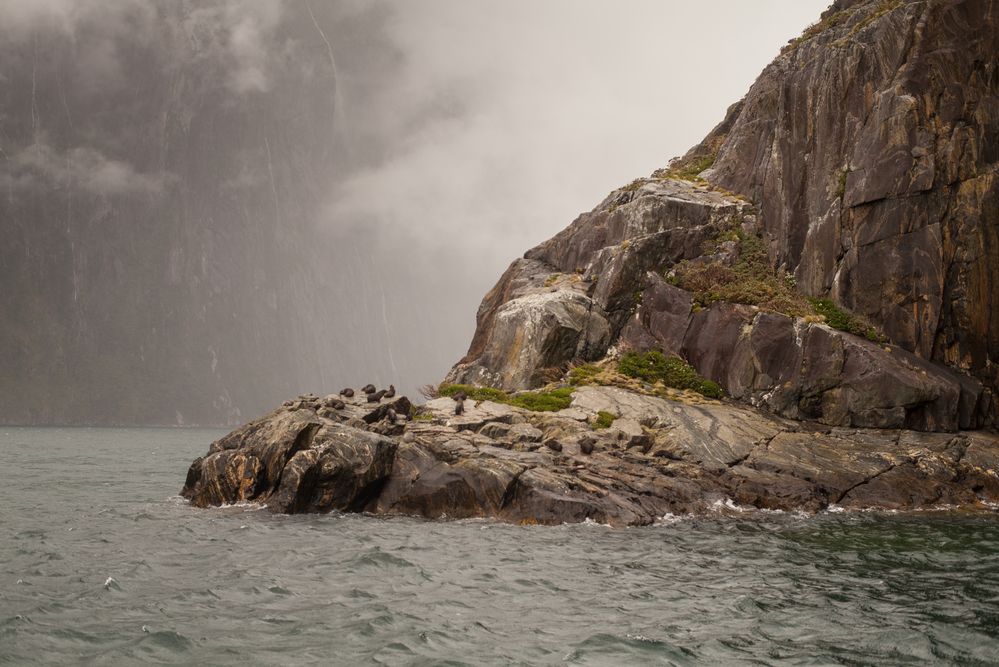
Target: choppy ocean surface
(102, 563)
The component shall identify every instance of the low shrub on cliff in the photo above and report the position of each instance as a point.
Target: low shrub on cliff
(844, 321)
(584, 374)
(687, 170)
(538, 401)
(654, 366)
(749, 280)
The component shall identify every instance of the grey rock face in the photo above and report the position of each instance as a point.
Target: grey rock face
(872, 149)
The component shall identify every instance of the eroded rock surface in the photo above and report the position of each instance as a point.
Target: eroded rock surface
(658, 457)
(866, 157)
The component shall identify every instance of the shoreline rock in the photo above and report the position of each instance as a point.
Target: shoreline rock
(660, 457)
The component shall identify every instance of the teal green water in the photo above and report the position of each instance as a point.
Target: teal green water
(101, 563)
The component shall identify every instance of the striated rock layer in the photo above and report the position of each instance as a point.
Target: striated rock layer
(866, 157)
(659, 457)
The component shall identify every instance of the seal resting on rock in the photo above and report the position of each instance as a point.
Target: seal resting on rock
(554, 445)
(459, 402)
(368, 389)
(390, 393)
(348, 392)
(338, 405)
(376, 396)
(586, 446)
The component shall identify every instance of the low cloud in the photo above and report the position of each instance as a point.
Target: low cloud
(243, 32)
(85, 169)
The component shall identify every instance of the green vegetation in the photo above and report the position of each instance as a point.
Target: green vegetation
(883, 8)
(749, 280)
(634, 185)
(844, 321)
(654, 366)
(687, 170)
(584, 374)
(538, 401)
(543, 401)
(841, 182)
(604, 420)
(831, 21)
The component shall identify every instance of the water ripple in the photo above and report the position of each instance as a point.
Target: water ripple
(117, 569)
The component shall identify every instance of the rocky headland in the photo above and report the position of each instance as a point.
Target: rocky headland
(798, 314)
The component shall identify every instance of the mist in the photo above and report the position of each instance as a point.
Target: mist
(401, 153)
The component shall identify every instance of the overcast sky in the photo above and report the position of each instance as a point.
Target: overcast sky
(509, 118)
(502, 121)
(471, 130)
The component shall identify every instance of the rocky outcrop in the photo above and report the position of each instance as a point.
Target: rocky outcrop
(860, 168)
(865, 157)
(659, 457)
(569, 297)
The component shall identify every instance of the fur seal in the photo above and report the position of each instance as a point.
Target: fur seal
(348, 392)
(554, 445)
(392, 416)
(586, 446)
(391, 391)
(368, 389)
(338, 405)
(375, 396)
(459, 402)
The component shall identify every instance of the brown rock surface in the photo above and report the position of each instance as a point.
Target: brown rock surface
(660, 457)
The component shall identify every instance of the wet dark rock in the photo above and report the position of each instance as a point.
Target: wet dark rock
(660, 457)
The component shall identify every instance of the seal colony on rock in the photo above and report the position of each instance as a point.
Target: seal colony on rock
(792, 316)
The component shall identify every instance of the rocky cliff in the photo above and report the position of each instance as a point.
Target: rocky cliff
(864, 162)
(797, 314)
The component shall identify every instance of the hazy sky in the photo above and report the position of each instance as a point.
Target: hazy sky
(469, 130)
(502, 121)
(509, 118)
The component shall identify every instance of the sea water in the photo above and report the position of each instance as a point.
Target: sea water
(102, 563)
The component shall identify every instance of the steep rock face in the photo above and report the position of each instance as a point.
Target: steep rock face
(869, 148)
(872, 148)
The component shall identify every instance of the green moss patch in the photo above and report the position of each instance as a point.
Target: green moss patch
(838, 318)
(537, 401)
(604, 420)
(654, 366)
(585, 374)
